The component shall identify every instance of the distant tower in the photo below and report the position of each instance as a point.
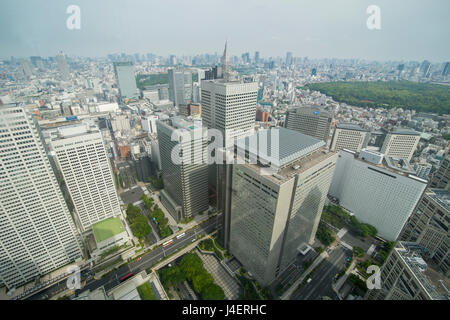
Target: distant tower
(225, 63)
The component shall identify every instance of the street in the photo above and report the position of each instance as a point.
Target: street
(322, 279)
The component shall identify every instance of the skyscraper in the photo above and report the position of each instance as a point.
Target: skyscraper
(405, 275)
(126, 80)
(62, 66)
(441, 177)
(180, 86)
(37, 234)
(226, 68)
(429, 226)
(184, 172)
(26, 68)
(289, 59)
(257, 57)
(446, 69)
(81, 157)
(275, 215)
(310, 121)
(229, 106)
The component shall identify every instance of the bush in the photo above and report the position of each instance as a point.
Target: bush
(212, 292)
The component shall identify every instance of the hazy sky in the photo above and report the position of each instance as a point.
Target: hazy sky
(410, 29)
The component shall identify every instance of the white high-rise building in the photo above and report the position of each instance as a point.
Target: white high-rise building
(229, 107)
(63, 68)
(349, 136)
(149, 123)
(82, 159)
(401, 143)
(37, 234)
(382, 193)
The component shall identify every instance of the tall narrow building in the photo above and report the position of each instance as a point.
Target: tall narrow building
(63, 68)
(309, 120)
(180, 86)
(230, 107)
(126, 80)
(81, 156)
(37, 234)
(275, 213)
(184, 171)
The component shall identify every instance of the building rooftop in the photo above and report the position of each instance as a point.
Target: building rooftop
(405, 131)
(435, 283)
(107, 228)
(350, 126)
(399, 165)
(310, 109)
(284, 146)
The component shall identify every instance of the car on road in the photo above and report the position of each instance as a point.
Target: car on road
(138, 259)
(349, 259)
(309, 280)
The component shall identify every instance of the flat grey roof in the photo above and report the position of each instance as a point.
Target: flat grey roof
(350, 126)
(290, 146)
(405, 131)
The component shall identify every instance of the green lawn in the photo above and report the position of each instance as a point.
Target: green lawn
(146, 292)
(107, 228)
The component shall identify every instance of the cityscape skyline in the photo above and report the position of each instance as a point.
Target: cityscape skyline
(344, 36)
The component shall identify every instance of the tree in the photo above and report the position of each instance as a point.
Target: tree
(212, 292)
(140, 227)
(171, 276)
(201, 280)
(132, 212)
(190, 265)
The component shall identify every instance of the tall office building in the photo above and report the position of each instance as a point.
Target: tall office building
(63, 68)
(441, 177)
(380, 192)
(289, 59)
(349, 136)
(37, 234)
(149, 123)
(26, 68)
(401, 143)
(446, 69)
(81, 156)
(226, 67)
(275, 213)
(310, 121)
(429, 226)
(180, 86)
(257, 57)
(406, 275)
(185, 173)
(126, 80)
(229, 107)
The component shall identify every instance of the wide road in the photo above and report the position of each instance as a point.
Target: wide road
(146, 261)
(322, 279)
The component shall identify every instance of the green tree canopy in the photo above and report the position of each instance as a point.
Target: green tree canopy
(212, 292)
